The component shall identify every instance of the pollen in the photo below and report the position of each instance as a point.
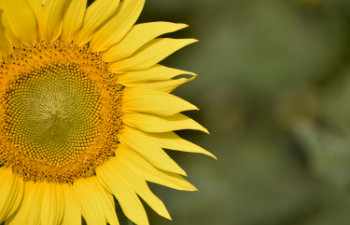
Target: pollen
(60, 112)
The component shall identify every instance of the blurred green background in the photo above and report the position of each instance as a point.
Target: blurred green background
(274, 90)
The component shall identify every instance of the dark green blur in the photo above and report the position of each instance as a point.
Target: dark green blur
(274, 90)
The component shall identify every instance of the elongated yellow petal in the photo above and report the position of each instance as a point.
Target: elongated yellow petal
(146, 194)
(73, 19)
(153, 102)
(87, 192)
(37, 7)
(169, 85)
(172, 141)
(138, 36)
(53, 14)
(72, 214)
(127, 198)
(9, 33)
(107, 204)
(21, 19)
(151, 54)
(11, 38)
(11, 193)
(89, 204)
(135, 183)
(155, 73)
(145, 170)
(139, 141)
(150, 123)
(29, 211)
(118, 26)
(5, 44)
(33, 210)
(164, 86)
(52, 204)
(96, 15)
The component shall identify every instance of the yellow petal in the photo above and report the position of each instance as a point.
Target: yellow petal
(73, 19)
(53, 13)
(146, 194)
(29, 211)
(150, 54)
(33, 203)
(118, 26)
(9, 33)
(145, 170)
(153, 102)
(72, 214)
(5, 44)
(37, 7)
(96, 15)
(138, 36)
(172, 141)
(11, 38)
(87, 192)
(21, 19)
(52, 204)
(156, 73)
(137, 184)
(11, 193)
(107, 203)
(150, 123)
(163, 86)
(88, 201)
(142, 144)
(127, 198)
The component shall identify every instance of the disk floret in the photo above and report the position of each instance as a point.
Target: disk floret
(60, 112)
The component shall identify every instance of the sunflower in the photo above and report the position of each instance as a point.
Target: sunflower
(86, 112)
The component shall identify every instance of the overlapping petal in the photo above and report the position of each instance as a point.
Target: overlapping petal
(116, 28)
(148, 149)
(21, 20)
(96, 15)
(73, 19)
(147, 123)
(172, 141)
(138, 36)
(29, 213)
(151, 54)
(153, 74)
(147, 171)
(95, 204)
(52, 13)
(5, 43)
(163, 86)
(52, 205)
(72, 214)
(134, 182)
(127, 198)
(154, 102)
(11, 193)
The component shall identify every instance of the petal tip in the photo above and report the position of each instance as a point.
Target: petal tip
(182, 25)
(192, 40)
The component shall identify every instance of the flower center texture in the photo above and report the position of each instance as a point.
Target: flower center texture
(60, 110)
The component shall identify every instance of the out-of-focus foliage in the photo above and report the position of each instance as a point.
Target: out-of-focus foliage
(274, 90)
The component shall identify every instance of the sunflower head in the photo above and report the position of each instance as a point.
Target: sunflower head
(86, 112)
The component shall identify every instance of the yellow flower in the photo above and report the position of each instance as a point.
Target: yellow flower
(86, 111)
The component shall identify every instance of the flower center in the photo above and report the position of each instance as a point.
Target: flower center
(59, 112)
(53, 113)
